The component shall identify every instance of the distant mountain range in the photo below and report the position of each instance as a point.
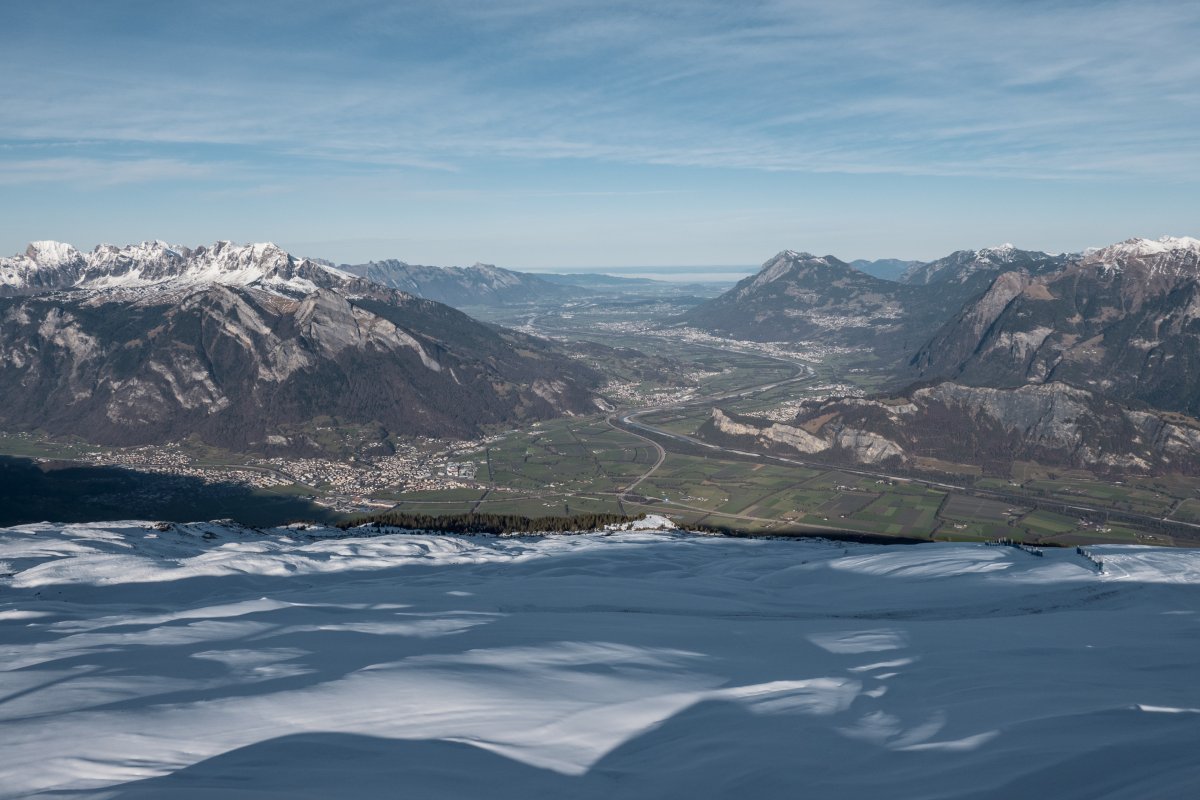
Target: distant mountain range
(1089, 360)
(248, 346)
(481, 284)
(803, 297)
(890, 269)
(487, 285)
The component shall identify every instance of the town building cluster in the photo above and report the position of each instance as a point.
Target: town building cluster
(422, 465)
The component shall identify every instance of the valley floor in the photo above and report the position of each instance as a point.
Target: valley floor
(209, 661)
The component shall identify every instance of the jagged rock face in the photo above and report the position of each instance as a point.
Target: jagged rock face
(243, 346)
(1123, 321)
(957, 340)
(798, 296)
(772, 433)
(867, 447)
(43, 267)
(481, 284)
(837, 440)
(1052, 424)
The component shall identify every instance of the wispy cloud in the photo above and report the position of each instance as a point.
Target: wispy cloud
(933, 87)
(98, 172)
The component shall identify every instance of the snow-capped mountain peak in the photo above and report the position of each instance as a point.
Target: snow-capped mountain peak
(1167, 256)
(50, 253)
(1138, 246)
(155, 264)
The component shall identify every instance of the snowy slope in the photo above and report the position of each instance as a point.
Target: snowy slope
(207, 661)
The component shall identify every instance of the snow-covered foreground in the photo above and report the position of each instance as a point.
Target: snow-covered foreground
(212, 662)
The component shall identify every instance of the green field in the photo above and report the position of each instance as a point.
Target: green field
(582, 465)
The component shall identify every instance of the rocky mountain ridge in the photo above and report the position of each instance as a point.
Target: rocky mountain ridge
(1122, 320)
(156, 265)
(963, 266)
(246, 346)
(798, 296)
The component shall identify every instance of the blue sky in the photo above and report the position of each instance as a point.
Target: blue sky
(540, 134)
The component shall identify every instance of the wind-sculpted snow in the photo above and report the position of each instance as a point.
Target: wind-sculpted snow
(214, 661)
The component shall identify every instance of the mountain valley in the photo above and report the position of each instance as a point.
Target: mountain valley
(599, 400)
(557, 393)
(1082, 361)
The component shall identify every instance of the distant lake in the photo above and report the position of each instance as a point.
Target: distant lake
(681, 274)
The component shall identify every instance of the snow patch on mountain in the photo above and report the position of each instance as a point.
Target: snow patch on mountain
(50, 254)
(961, 265)
(1167, 257)
(1137, 246)
(48, 266)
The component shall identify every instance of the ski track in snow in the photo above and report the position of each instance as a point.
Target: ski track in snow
(211, 661)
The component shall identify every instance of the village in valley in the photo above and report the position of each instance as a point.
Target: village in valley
(345, 485)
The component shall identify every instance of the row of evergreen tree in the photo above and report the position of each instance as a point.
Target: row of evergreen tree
(489, 523)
